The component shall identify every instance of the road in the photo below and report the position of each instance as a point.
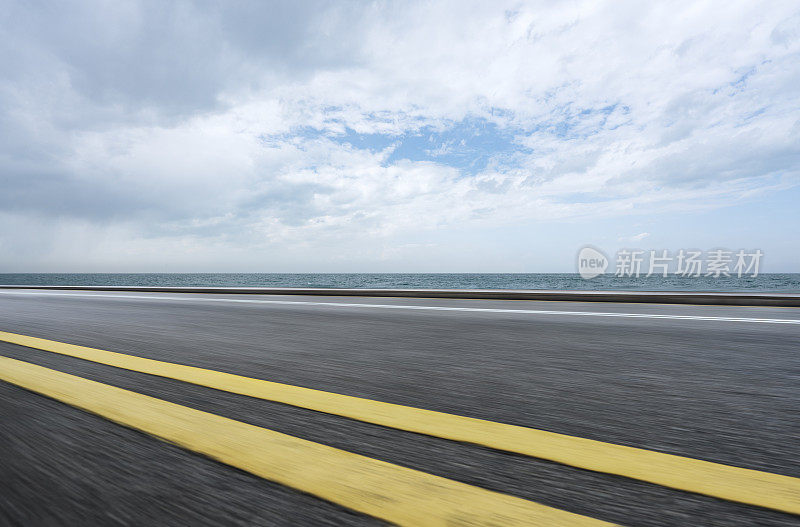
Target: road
(715, 383)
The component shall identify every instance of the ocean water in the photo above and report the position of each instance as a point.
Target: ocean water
(773, 282)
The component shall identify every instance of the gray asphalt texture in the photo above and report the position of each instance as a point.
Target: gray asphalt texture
(715, 390)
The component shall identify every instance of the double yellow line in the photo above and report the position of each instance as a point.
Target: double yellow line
(380, 489)
(391, 492)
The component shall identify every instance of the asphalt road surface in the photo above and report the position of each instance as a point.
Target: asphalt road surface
(696, 381)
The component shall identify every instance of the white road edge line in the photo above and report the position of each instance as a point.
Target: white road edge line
(425, 308)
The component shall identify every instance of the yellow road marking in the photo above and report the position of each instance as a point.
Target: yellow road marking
(397, 494)
(752, 487)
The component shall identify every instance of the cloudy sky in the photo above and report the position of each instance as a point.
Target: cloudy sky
(382, 136)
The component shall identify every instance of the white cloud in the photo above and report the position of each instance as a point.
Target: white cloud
(635, 238)
(186, 130)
